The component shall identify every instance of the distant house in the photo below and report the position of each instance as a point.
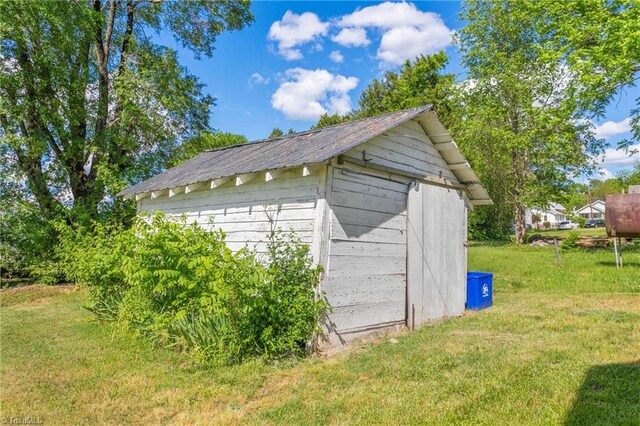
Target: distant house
(594, 210)
(381, 201)
(634, 189)
(552, 215)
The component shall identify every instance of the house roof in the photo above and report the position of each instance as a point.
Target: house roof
(309, 147)
(552, 208)
(557, 207)
(598, 206)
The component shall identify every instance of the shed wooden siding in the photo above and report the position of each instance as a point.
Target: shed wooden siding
(437, 254)
(243, 212)
(404, 148)
(365, 281)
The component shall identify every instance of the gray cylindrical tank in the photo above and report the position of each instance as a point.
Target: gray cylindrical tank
(622, 215)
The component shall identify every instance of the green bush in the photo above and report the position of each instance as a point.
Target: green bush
(93, 257)
(180, 285)
(571, 242)
(24, 237)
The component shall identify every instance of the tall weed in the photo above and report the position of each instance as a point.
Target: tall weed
(181, 285)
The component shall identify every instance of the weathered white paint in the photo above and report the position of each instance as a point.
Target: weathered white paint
(216, 183)
(176, 191)
(159, 193)
(436, 254)
(242, 179)
(459, 166)
(430, 125)
(272, 174)
(195, 187)
(246, 213)
(365, 282)
(319, 216)
(363, 224)
(405, 148)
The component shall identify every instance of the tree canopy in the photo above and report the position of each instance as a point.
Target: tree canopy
(203, 142)
(277, 132)
(539, 72)
(418, 82)
(90, 103)
(599, 42)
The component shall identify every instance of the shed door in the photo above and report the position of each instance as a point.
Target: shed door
(365, 278)
(436, 253)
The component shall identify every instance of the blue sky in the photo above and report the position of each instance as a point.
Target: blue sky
(300, 59)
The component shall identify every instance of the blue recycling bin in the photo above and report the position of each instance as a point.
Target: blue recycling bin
(479, 290)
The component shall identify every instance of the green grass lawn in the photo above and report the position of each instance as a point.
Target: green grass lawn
(559, 346)
(563, 233)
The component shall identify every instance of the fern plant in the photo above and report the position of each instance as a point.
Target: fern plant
(179, 284)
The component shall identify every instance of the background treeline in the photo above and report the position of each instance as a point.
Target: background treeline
(90, 104)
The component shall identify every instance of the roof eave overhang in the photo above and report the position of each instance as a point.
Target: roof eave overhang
(141, 189)
(450, 152)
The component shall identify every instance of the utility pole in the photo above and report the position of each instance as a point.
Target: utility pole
(589, 201)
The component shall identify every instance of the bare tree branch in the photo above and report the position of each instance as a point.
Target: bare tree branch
(109, 30)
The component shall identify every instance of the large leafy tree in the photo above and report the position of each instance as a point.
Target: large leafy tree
(599, 42)
(89, 102)
(522, 116)
(327, 120)
(418, 82)
(203, 142)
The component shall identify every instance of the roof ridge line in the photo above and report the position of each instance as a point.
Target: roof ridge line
(317, 129)
(314, 145)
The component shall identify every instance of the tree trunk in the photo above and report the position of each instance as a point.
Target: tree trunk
(37, 182)
(520, 164)
(519, 222)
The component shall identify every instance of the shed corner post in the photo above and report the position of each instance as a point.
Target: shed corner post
(319, 225)
(321, 234)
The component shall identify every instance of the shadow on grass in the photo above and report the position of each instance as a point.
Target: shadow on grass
(14, 282)
(609, 395)
(488, 243)
(625, 263)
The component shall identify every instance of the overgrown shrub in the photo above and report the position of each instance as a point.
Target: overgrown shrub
(490, 223)
(24, 237)
(581, 220)
(571, 242)
(281, 308)
(93, 257)
(180, 285)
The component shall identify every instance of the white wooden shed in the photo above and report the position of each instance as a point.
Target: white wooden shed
(382, 202)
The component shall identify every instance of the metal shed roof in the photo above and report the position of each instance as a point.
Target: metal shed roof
(308, 147)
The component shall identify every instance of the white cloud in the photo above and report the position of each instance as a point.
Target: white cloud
(612, 128)
(604, 174)
(295, 30)
(336, 56)
(399, 44)
(385, 15)
(408, 31)
(257, 78)
(619, 158)
(307, 94)
(352, 37)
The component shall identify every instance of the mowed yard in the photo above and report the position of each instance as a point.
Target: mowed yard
(559, 346)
